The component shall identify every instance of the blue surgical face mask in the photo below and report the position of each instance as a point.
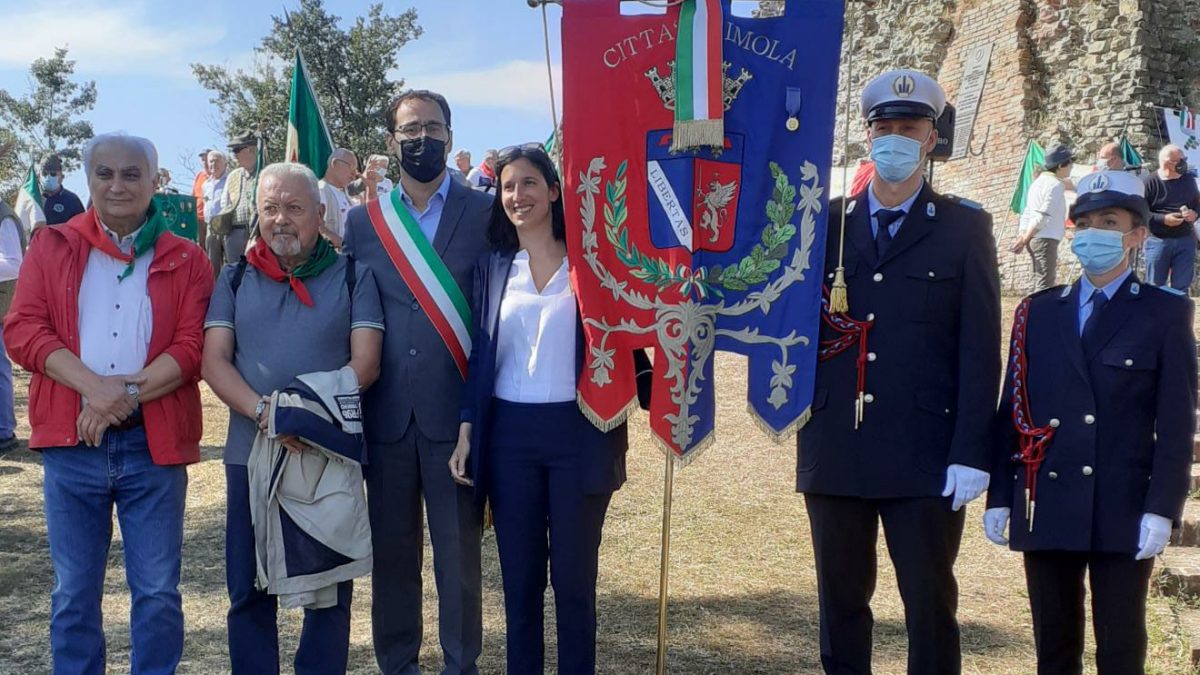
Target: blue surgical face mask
(896, 157)
(49, 183)
(1099, 251)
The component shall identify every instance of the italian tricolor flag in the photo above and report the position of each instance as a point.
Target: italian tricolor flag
(308, 139)
(29, 201)
(699, 77)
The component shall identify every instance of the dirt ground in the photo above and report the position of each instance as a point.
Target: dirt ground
(743, 587)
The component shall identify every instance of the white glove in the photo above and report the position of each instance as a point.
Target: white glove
(965, 483)
(1156, 532)
(995, 521)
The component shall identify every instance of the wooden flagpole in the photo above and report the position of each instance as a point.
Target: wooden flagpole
(664, 564)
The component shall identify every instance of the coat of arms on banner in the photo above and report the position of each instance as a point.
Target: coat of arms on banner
(690, 248)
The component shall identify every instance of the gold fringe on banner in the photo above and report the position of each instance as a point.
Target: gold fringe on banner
(787, 432)
(600, 423)
(689, 134)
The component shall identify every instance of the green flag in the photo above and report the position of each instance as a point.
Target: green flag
(30, 202)
(308, 139)
(1035, 157)
(1129, 154)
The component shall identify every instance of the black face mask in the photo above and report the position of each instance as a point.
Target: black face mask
(423, 158)
(1181, 166)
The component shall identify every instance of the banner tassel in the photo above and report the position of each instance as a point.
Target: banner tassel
(839, 300)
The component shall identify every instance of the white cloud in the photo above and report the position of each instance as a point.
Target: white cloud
(513, 85)
(104, 39)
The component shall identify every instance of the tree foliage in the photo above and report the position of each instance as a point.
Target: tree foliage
(348, 67)
(47, 118)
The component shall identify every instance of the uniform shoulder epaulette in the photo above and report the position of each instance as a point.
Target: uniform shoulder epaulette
(955, 199)
(1053, 290)
(1167, 289)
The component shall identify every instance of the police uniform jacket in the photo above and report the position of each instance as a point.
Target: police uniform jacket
(1123, 413)
(933, 368)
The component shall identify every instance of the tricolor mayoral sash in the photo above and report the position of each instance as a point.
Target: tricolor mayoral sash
(697, 147)
(426, 275)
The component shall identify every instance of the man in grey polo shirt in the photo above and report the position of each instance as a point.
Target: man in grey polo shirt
(293, 307)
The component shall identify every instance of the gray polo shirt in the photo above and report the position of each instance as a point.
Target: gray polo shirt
(279, 338)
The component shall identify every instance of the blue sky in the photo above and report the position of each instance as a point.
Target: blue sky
(486, 56)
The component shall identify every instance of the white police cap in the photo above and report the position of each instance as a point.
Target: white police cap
(1110, 189)
(903, 93)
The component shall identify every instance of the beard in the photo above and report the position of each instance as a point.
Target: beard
(285, 243)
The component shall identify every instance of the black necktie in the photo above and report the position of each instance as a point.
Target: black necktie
(883, 235)
(1098, 300)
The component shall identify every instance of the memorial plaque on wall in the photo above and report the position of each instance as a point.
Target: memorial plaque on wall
(970, 91)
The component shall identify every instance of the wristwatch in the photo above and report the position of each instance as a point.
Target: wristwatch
(133, 390)
(259, 409)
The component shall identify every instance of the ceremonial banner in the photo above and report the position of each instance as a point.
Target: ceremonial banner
(1181, 131)
(686, 247)
(308, 140)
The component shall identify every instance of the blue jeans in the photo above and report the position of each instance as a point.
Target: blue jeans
(1175, 256)
(81, 486)
(253, 632)
(8, 419)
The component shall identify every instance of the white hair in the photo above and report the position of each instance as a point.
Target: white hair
(1164, 154)
(285, 170)
(217, 153)
(342, 154)
(143, 145)
(378, 158)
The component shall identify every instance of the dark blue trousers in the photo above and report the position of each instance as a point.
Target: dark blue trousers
(253, 633)
(543, 515)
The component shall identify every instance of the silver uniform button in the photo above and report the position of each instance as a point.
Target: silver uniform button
(869, 398)
(1054, 423)
(1087, 470)
(931, 274)
(870, 317)
(871, 356)
(1128, 362)
(1089, 419)
(1053, 475)
(878, 276)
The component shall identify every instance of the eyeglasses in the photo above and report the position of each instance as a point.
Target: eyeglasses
(412, 130)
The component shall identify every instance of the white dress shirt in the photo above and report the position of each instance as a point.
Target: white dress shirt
(1046, 206)
(115, 317)
(10, 249)
(535, 347)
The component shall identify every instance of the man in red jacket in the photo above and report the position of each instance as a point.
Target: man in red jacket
(108, 316)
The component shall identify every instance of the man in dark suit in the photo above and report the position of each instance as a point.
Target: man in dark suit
(900, 428)
(421, 241)
(1095, 428)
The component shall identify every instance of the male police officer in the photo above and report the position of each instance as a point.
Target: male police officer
(1096, 425)
(908, 445)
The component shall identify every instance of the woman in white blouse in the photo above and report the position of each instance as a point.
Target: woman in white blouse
(523, 443)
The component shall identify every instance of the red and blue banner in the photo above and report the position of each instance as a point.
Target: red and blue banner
(712, 242)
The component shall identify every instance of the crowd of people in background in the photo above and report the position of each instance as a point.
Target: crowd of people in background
(1172, 191)
(396, 351)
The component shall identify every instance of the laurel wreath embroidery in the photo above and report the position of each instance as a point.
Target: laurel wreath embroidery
(765, 258)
